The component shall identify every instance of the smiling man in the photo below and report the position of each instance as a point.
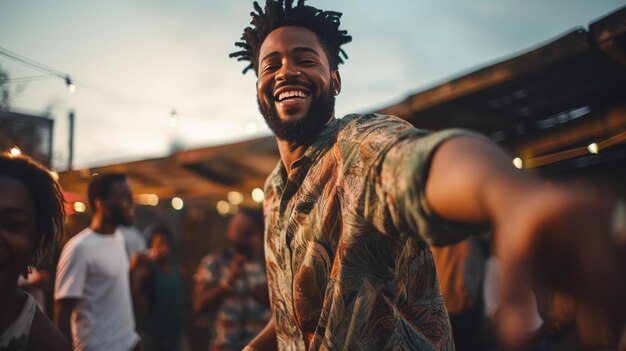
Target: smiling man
(354, 203)
(93, 306)
(297, 102)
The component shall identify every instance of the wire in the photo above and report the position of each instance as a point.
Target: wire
(66, 77)
(30, 62)
(121, 96)
(70, 81)
(28, 79)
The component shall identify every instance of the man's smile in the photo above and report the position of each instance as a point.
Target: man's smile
(291, 96)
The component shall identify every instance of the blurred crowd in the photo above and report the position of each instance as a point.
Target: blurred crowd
(115, 287)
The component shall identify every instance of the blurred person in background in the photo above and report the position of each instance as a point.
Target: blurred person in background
(233, 284)
(92, 292)
(157, 284)
(31, 222)
(460, 270)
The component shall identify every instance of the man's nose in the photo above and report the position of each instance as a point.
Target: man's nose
(287, 71)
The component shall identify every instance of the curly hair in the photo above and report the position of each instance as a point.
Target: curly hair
(47, 199)
(280, 13)
(100, 186)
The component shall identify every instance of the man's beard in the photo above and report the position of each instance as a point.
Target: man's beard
(119, 217)
(305, 128)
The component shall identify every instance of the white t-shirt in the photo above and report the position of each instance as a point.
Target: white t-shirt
(93, 268)
(135, 242)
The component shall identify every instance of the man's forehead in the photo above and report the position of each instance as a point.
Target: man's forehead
(290, 38)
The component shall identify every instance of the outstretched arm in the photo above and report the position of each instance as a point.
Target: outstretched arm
(472, 181)
(556, 236)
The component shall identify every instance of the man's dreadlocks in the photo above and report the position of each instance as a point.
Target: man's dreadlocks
(280, 13)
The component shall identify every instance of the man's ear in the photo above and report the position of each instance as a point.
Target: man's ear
(335, 78)
(98, 205)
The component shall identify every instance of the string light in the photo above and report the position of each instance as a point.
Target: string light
(258, 195)
(70, 86)
(15, 151)
(148, 199)
(79, 207)
(223, 207)
(70, 83)
(593, 148)
(235, 197)
(518, 163)
(173, 120)
(177, 203)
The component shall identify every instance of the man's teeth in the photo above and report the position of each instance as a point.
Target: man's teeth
(290, 94)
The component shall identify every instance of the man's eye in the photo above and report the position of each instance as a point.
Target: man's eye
(14, 226)
(269, 68)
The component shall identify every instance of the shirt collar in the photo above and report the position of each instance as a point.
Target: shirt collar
(324, 142)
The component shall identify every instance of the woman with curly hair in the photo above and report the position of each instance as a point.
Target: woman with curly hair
(31, 222)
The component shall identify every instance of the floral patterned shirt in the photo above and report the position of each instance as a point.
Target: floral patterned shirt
(346, 241)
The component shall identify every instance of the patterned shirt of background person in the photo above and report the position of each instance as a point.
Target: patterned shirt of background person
(233, 285)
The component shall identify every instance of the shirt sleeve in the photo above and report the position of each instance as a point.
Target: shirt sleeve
(207, 271)
(71, 273)
(402, 177)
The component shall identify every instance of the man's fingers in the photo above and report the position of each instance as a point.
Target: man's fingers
(563, 241)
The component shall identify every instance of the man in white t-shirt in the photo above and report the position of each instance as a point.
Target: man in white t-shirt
(92, 290)
(135, 241)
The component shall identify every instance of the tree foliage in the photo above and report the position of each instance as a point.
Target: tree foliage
(5, 92)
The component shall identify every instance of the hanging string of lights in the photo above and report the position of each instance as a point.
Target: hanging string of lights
(173, 116)
(71, 83)
(38, 66)
(29, 78)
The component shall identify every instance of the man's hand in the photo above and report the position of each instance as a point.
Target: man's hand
(561, 240)
(139, 259)
(557, 237)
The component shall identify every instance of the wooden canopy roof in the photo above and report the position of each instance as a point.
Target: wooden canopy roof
(557, 97)
(206, 172)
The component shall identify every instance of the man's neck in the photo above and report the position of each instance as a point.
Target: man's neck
(102, 225)
(290, 152)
